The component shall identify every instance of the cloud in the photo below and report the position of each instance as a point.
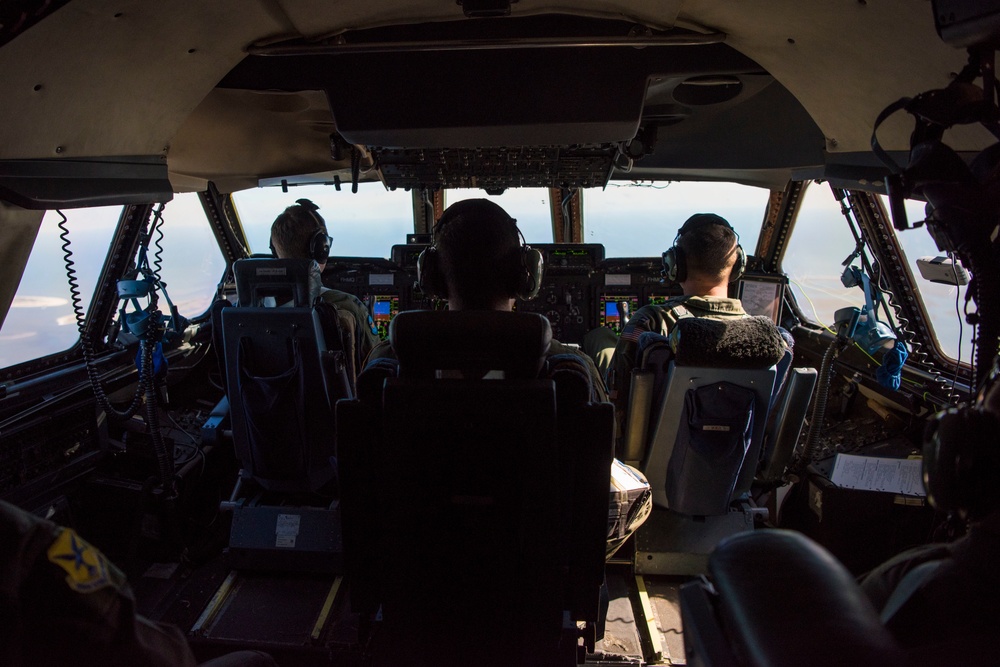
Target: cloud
(38, 302)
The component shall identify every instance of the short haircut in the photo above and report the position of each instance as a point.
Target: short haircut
(709, 248)
(292, 230)
(480, 251)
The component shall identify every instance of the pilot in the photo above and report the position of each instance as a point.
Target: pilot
(705, 258)
(300, 232)
(62, 602)
(479, 248)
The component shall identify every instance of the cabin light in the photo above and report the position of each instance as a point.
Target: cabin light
(485, 8)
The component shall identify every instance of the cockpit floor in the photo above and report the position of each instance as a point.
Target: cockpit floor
(306, 619)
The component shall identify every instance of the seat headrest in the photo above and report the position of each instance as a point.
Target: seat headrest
(471, 341)
(746, 342)
(283, 280)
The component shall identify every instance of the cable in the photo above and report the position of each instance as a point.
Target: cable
(145, 388)
(157, 225)
(958, 315)
(86, 343)
(813, 306)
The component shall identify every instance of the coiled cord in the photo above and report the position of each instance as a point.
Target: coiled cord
(146, 387)
(158, 226)
(87, 344)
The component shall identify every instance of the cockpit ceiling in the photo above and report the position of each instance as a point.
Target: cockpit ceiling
(541, 115)
(759, 93)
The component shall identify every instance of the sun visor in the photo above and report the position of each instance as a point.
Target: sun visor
(80, 182)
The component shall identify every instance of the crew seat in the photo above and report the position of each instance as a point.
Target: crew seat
(475, 474)
(285, 369)
(696, 427)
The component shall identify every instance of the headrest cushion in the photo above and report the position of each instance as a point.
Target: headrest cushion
(471, 341)
(746, 342)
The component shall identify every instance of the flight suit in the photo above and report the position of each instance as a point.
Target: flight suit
(63, 602)
(366, 334)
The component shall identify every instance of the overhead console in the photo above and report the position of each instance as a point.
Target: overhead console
(495, 169)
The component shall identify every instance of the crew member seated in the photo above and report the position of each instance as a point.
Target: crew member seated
(300, 232)
(478, 263)
(62, 602)
(706, 256)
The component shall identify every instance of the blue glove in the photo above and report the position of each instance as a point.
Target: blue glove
(890, 373)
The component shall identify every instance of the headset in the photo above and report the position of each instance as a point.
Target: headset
(319, 242)
(674, 261)
(961, 462)
(431, 278)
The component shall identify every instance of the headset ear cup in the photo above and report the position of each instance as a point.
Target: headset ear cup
(429, 275)
(319, 246)
(533, 263)
(939, 460)
(674, 268)
(740, 266)
(962, 462)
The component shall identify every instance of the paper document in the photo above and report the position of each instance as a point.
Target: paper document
(872, 473)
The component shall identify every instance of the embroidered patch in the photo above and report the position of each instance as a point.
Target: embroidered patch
(86, 567)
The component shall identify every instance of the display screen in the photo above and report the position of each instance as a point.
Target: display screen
(762, 297)
(616, 309)
(658, 299)
(384, 308)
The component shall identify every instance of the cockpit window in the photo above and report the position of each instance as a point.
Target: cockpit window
(642, 219)
(529, 206)
(192, 263)
(944, 303)
(41, 320)
(818, 244)
(821, 240)
(365, 224)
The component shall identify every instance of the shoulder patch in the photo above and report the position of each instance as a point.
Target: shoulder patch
(86, 567)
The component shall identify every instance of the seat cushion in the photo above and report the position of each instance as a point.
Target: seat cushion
(470, 341)
(746, 342)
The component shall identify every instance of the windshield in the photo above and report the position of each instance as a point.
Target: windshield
(365, 224)
(41, 320)
(642, 219)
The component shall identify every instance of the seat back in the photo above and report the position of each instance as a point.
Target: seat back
(285, 369)
(781, 600)
(270, 282)
(470, 501)
(712, 387)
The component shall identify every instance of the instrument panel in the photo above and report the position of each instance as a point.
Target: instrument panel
(580, 289)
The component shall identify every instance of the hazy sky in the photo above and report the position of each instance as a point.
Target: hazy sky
(630, 220)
